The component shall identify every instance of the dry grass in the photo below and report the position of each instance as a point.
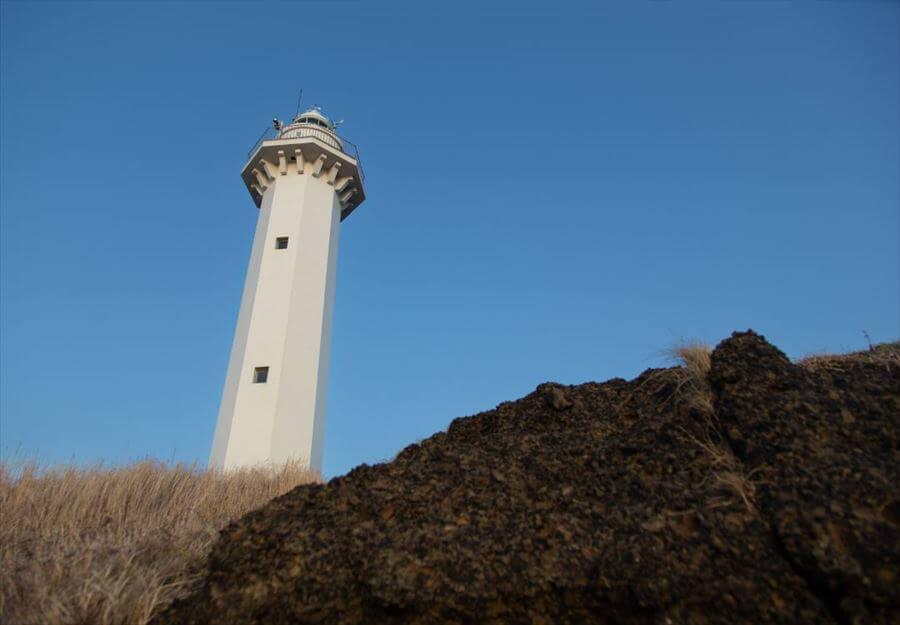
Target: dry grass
(694, 358)
(101, 546)
(727, 479)
(885, 354)
(693, 386)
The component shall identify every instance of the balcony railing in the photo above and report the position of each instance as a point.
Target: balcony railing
(328, 138)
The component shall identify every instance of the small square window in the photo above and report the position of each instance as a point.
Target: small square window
(281, 243)
(260, 375)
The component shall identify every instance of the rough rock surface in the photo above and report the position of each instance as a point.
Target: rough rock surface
(764, 492)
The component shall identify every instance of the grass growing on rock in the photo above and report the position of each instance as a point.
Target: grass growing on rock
(884, 354)
(728, 479)
(113, 546)
(105, 546)
(693, 386)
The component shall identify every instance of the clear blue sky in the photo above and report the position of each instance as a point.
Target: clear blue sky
(555, 192)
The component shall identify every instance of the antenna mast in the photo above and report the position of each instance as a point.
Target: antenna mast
(299, 97)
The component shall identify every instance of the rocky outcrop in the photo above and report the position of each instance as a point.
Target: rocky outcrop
(825, 447)
(762, 492)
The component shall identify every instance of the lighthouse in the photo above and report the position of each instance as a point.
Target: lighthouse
(305, 180)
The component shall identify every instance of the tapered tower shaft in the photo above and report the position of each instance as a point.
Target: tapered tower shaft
(273, 406)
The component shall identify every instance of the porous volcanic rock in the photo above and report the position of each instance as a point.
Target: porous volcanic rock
(764, 492)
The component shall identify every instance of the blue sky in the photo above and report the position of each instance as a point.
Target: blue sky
(555, 192)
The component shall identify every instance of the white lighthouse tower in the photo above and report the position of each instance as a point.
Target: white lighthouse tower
(304, 181)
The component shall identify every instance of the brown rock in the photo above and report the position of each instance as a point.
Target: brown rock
(555, 396)
(826, 450)
(598, 503)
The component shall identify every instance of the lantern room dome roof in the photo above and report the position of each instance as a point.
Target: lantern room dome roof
(310, 123)
(313, 116)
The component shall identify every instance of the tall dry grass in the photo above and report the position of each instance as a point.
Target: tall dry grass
(112, 546)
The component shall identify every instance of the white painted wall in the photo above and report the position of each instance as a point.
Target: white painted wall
(284, 324)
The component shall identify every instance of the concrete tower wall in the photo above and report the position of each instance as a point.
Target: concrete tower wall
(306, 344)
(225, 424)
(284, 324)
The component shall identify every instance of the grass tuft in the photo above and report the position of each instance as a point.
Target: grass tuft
(113, 546)
(693, 386)
(694, 357)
